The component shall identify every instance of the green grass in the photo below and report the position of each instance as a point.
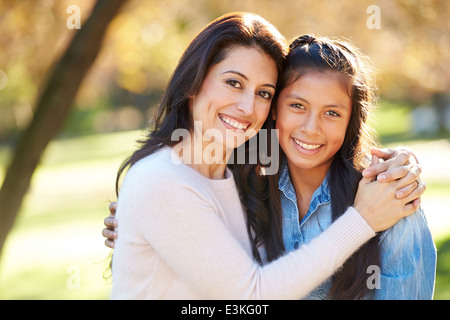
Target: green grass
(55, 250)
(392, 120)
(443, 270)
(393, 123)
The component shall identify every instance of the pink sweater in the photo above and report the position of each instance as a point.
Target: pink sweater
(183, 236)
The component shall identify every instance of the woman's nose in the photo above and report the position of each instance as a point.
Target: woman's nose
(246, 104)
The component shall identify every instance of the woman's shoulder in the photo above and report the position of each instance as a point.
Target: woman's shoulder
(157, 166)
(161, 170)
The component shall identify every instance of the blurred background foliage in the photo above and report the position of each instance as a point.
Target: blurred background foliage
(411, 51)
(61, 220)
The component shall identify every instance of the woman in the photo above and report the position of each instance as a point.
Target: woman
(184, 231)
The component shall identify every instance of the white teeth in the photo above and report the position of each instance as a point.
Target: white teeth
(234, 123)
(307, 146)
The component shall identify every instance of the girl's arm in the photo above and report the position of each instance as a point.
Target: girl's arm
(408, 260)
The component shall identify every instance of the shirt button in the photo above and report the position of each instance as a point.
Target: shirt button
(296, 245)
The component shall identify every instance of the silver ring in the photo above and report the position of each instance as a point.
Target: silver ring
(418, 182)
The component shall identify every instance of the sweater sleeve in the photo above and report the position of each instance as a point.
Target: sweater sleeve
(182, 227)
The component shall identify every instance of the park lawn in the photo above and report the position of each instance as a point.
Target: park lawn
(56, 251)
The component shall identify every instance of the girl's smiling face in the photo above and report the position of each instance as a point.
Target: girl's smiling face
(312, 116)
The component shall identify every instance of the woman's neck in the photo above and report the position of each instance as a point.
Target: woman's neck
(202, 156)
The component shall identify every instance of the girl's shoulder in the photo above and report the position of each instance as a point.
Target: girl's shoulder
(408, 232)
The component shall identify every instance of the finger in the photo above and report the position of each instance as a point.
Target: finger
(411, 207)
(376, 169)
(366, 180)
(416, 203)
(400, 160)
(400, 172)
(384, 153)
(110, 234)
(388, 153)
(109, 243)
(111, 222)
(405, 191)
(412, 175)
(375, 160)
(112, 208)
(415, 157)
(416, 194)
(368, 172)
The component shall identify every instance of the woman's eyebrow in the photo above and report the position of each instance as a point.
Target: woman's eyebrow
(243, 76)
(236, 72)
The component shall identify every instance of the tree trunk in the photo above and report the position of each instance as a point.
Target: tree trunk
(52, 108)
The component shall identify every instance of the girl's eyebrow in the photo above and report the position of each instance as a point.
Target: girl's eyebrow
(296, 97)
(243, 76)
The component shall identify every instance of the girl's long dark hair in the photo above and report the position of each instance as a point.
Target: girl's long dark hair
(208, 48)
(309, 54)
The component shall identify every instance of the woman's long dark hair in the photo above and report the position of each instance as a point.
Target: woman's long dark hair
(309, 54)
(208, 48)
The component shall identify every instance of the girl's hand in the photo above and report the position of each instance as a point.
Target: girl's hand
(111, 223)
(379, 204)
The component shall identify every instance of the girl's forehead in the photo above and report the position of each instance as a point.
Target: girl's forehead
(302, 76)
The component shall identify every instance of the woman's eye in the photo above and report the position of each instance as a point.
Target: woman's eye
(266, 95)
(333, 113)
(234, 83)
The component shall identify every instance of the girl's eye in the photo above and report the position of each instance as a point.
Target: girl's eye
(265, 95)
(234, 83)
(333, 113)
(297, 106)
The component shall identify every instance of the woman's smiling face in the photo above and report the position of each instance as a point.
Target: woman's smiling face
(312, 116)
(236, 96)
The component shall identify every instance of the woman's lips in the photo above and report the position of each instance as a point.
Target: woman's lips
(233, 123)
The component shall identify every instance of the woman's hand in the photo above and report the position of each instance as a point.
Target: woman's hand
(379, 202)
(397, 163)
(111, 223)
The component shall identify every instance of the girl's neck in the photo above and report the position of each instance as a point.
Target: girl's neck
(305, 182)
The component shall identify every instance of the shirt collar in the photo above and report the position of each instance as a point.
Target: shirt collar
(320, 196)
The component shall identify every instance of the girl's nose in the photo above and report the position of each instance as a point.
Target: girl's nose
(311, 125)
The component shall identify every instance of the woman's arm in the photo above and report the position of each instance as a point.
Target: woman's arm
(196, 243)
(396, 165)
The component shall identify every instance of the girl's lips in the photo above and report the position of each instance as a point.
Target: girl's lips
(233, 122)
(308, 147)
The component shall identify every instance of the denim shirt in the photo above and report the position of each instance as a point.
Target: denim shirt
(407, 250)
